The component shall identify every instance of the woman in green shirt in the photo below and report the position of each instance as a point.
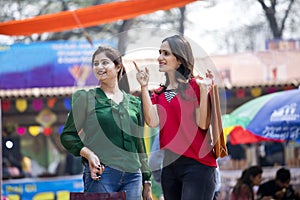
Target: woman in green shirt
(105, 127)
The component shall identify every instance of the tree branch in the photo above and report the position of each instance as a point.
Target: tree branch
(286, 15)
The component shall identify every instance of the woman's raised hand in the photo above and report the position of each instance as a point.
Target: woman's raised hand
(142, 76)
(206, 83)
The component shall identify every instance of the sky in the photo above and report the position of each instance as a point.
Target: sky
(224, 15)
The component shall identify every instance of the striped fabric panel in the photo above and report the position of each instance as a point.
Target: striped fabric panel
(169, 94)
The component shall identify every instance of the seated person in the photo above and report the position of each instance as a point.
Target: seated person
(278, 188)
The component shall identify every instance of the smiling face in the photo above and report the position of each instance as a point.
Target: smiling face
(167, 60)
(104, 69)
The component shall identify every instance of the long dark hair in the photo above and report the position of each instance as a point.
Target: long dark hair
(182, 50)
(245, 179)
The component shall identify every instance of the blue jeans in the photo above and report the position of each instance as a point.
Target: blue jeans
(113, 180)
(187, 179)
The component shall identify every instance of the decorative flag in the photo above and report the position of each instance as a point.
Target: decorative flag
(5, 105)
(289, 87)
(240, 93)
(46, 118)
(21, 105)
(51, 102)
(255, 92)
(34, 130)
(37, 104)
(67, 103)
(21, 130)
(47, 131)
(271, 90)
(228, 94)
(60, 129)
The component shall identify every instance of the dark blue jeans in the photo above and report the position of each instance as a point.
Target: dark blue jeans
(187, 179)
(113, 180)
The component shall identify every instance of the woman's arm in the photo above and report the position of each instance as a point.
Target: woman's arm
(150, 111)
(203, 113)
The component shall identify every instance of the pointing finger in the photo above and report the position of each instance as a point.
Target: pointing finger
(136, 67)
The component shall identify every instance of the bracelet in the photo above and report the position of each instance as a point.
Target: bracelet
(148, 182)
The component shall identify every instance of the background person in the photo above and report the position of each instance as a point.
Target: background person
(104, 126)
(243, 189)
(237, 154)
(181, 109)
(278, 188)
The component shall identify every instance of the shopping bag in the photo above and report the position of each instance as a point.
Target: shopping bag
(97, 196)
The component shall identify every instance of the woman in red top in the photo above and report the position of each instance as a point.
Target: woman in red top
(183, 115)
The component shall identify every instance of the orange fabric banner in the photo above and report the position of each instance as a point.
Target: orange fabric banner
(89, 16)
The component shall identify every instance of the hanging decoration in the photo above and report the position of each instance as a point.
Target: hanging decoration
(21, 105)
(37, 104)
(255, 92)
(240, 93)
(21, 130)
(5, 105)
(67, 103)
(271, 90)
(47, 131)
(46, 117)
(34, 130)
(289, 87)
(60, 129)
(228, 94)
(51, 102)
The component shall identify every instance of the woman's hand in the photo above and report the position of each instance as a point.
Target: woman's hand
(147, 192)
(206, 83)
(142, 76)
(95, 166)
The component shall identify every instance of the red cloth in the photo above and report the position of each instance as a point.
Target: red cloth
(239, 135)
(89, 16)
(179, 131)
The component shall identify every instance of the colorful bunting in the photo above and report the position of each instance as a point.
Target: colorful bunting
(46, 117)
(51, 102)
(289, 87)
(34, 130)
(21, 130)
(228, 94)
(5, 105)
(67, 103)
(47, 131)
(21, 105)
(271, 90)
(60, 129)
(37, 104)
(240, 93)
(256, 91)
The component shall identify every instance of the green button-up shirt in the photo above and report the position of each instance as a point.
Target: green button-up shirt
(113, 131)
